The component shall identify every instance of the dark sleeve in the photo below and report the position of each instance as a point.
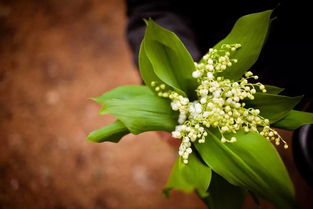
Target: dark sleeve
(164, 13)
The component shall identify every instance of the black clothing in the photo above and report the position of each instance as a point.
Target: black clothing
(285, 60)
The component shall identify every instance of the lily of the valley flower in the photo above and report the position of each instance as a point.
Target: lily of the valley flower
(219, 104)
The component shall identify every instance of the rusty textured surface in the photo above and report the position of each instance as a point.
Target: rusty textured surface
(53, 56)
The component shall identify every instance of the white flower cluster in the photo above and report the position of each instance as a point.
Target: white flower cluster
(219, 105)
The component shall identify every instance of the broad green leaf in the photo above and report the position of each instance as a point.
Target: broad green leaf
(145, 67)
(273, 89)
(111, 133)
(123, 92)
(143, 113)
(270, 89)
(273, 107)
(223, 195)
(139, 109)
(252, 163)
(250, 31)
(169, 58)
(294, 119)
(189, 177)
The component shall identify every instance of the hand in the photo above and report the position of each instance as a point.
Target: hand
(169, 139)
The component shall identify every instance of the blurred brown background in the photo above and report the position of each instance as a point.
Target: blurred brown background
(54, 55)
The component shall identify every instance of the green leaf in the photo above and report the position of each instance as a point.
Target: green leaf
(170, 60)
(123, 92)
(188, 177)
(143, 113)
(252, 163)
(273, 107)
(273, 89)
(223, 195)
(270, 89)
(139, 109)
(145, 67)
(294, 119)
(250, 31)
(110, 133)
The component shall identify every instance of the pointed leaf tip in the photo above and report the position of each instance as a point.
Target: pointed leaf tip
(164, 56)
(189, 177)
(110, 133)
(250, 31)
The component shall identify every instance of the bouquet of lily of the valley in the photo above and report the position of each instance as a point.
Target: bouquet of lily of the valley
(223, 116)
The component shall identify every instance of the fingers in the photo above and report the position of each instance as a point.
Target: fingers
(169, 139)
